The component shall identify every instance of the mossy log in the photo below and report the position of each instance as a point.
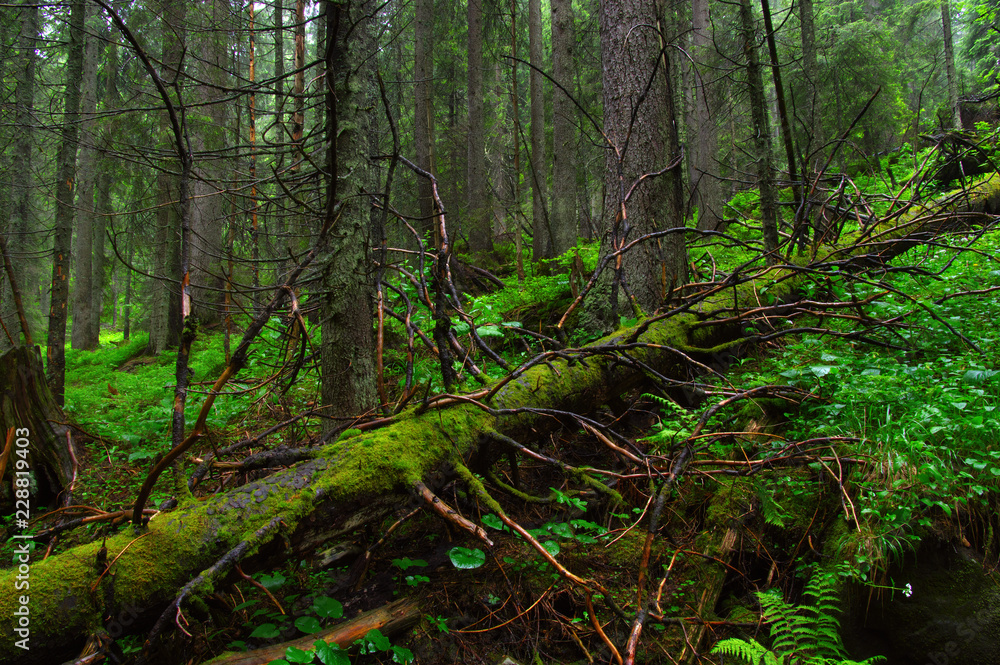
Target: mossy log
(343, 485)
(27, 405)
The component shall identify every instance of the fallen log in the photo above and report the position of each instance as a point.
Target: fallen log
(346, 483)
(393, 619)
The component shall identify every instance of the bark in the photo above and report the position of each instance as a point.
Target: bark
(762, 132)
(562, 213)
(351, 482)
(706, 188)
(955, 117)
(207, 130)
(107, 168)
(65, 183)
(299, 82)
(638, 124)
(810, 67)
(22, 217)
(165, 309)
(85, 332)
(477, 200)
(423, 122)
(543, 243)
(347, 358)
(27, 404)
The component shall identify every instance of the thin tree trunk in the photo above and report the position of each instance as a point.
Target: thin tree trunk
(949, 65)
(706, 188)
(478, 208)
(84, 331)
(762, 133)
(65, 181)
(562, 215)
(423, 121)
(542, 245)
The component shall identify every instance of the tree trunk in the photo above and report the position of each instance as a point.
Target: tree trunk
(543, 243)
(762, 133)
(562, 213)
(165, 308)
(810, 67)
(423, 121)
(638, 124)
(84, 333)
(477, 199)
(949, 66)
(27, 404)
(706, 189)
(347, 359)
(22, 217)
(65, 182)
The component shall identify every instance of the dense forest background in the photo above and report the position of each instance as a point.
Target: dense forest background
(620, 292)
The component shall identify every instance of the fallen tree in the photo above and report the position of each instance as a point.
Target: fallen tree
(146, 577)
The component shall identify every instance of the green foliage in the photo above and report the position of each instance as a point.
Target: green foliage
(803, 635)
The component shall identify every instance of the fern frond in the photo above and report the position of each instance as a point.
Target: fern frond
(751, 651)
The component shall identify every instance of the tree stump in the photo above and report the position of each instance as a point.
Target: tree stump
(28, 406)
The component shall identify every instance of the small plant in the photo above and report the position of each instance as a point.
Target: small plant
(804, 635)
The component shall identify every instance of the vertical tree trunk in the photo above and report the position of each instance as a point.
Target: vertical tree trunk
(85, 333)
(703, 134)
(810, 67)
(347, 353)
(105, 179)
(562, 215)
(281, 249)
(637, 124)
(762, 132)
(299, 81)
(22, 218)
(949, 65)
(423, 72)
(165, 308)
(542, 245)
(779, 93)
(65, 181)
(478, 208)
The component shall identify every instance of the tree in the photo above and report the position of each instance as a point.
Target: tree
(705, 184)
(87, 264)
(477, 202)
(347, 361)
(65, 183)
(543, 243)
(955, 117)
(562, 212)
(22, 217)
(640, 171)
(763, 153)
(423, 116)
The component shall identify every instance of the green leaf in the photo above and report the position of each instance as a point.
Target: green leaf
(266, 631)
(552, 547)
(492, 521)
(328, 608)
(378, 640)
(296, 655)
(331, 654)
(308, 625)
(407, 562)
(465, 559)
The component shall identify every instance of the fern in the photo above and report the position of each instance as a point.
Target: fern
(804, 635)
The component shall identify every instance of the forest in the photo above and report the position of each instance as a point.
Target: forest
(575, 331)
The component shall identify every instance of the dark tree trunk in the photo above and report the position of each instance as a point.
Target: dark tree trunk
(477, 200)
(562, 215)
(543, 245)
(423, 122)
(65, 181)
(347, 356)
(638, 123)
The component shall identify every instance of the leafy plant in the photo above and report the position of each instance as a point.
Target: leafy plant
(803, 635)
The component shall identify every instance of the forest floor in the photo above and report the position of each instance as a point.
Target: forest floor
(888, 444)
